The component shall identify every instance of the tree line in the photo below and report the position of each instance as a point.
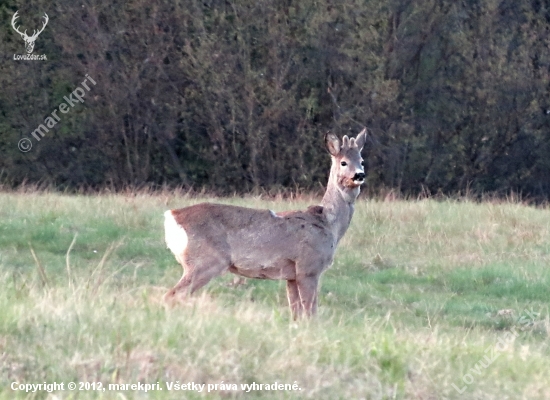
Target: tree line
(236, 96)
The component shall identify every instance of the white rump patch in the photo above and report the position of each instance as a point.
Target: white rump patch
(175, 236)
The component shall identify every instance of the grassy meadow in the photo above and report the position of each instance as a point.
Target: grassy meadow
(426, 300)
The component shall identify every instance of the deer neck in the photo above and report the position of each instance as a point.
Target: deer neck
(338, 205)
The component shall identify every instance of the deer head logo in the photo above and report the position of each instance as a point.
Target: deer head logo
(29, 40)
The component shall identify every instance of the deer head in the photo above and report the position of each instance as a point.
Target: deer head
(347, 173)
(29, 40)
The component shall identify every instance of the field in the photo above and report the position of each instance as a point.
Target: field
(426, 300)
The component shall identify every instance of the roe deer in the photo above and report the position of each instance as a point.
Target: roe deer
(297, 246)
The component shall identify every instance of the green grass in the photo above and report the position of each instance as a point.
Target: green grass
(418, 292)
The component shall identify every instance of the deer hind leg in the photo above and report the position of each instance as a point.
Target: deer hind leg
(307, 288)
(184, 281)
(294, 299)
(197, 272)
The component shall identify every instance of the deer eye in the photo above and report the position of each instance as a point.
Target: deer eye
(343, 163)
(362, 163)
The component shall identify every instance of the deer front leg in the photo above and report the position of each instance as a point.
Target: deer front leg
(307, 288)
(294, 299)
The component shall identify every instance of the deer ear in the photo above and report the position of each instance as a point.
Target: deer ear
(332, 143)
(361, 139)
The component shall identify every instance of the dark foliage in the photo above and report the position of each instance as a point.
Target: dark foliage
(234, 96)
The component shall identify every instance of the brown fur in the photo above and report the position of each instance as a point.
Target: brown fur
(296, 246)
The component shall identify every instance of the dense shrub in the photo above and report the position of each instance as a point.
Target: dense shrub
(236, 96)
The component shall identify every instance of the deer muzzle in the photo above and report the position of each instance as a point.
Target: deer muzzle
(359, 177)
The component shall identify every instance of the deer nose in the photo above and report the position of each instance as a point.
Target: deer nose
(360, 176)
